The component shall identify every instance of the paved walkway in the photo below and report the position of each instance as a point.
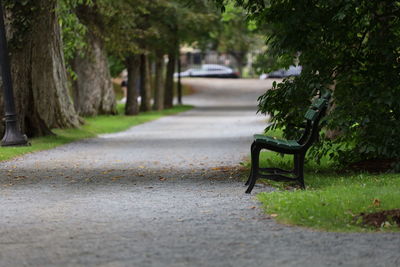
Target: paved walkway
(160, 194)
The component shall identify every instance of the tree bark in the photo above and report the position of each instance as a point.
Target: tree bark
(332, 134)
(93, 88)
(132, 65)
(158, 82)
(145, 86)
(240, 59)
(169, 80)
(38, 70)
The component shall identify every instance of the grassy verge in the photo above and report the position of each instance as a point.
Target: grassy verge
(92, 127)
(333, 201)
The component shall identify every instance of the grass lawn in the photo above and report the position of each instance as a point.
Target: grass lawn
(333, 200)
(92, 127)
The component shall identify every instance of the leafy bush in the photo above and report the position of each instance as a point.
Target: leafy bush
(349, 47)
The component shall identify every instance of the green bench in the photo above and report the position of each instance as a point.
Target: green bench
(297, 148)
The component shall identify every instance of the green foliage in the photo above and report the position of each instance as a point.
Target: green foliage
(23, 16)
(73, 31)
(235, 34)
(350, 47)
(123, 26)
(92, 127)
(116, 65)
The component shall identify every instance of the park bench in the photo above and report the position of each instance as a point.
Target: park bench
(297, 148)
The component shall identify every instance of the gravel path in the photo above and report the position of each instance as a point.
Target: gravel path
(160, 194)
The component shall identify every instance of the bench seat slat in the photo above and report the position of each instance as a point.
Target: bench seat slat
(311, 114)
(290, 144)
(318, 103)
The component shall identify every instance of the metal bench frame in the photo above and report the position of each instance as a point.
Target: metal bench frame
(310, 135)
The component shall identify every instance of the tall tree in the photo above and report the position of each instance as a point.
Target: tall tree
(159, 81)
(93, 89)
(145, 83)
(169, 78)
(185, 23)
(126, 28)
(133, 65)
(234, 35)
(38, 69)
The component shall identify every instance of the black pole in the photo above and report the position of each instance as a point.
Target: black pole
(179, 76)
(12, 134)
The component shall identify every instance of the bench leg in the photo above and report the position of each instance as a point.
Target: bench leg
(251, 168)
(300, 169)
(255, 158)
(296, 164)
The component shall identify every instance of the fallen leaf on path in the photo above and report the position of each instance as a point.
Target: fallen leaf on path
(162, 179)
(117, 177)
(107, 171)
(206, 211)
(222, 168)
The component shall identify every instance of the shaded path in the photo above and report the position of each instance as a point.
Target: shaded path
(159, 195)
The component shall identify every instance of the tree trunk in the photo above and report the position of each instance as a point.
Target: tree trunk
(93, 88)
(145, 90)
(150, 79)
(332, 134)
(132, 65)
(158, 82)
(240, 59)
(38, 70)
(169, 80)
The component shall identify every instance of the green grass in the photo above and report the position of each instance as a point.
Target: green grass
(333, 200)
(92, 127)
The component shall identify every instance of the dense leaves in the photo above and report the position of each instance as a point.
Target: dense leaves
(235, 35)
(349, 47)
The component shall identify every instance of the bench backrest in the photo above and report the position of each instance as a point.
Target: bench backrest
(313, 116)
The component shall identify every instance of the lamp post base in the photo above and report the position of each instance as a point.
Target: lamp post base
(12, 135)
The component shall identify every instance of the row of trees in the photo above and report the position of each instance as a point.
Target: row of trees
(351, 48)
(61, 49)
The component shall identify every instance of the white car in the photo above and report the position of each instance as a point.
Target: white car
(209, 71)
(282, 73)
